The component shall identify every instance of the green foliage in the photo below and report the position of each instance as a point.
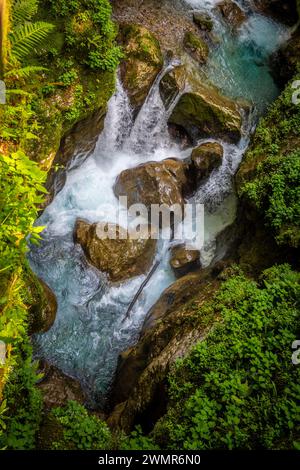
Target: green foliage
(89, 32)
(238, 388)
(277, 192)
(137, 441)
(81, 430)
(23, 10)
(27, 38)
(24, 402)
(270, 172)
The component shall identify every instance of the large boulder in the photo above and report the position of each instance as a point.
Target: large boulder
(143, 61)
(202, 111)
(206, 157)
(168, 334)
(184, 260)
(121, 257)
(43, 305)
(203, 21)
(163, 182)
(196, 47)
(233, 14)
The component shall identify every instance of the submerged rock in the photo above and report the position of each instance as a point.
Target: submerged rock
(204, 112)
(162, 182)
(203, 20)
(206, 158)
(143, 62)
(184, 260)
(196, 47)
(233, 14)
(121, 258)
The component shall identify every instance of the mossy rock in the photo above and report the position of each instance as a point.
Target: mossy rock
(172, 84)
(203, 21)
(196, 47)
(42, 302)
(204, 112)
(143, 61)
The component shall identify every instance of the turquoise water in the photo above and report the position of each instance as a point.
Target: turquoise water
(239, 65)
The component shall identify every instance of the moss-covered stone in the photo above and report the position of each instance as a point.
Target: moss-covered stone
(204, 112)
(196, 47)
(172, 84)
(143, 61)
(203, 20)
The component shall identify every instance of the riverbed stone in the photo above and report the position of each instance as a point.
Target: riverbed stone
(184, 260)
(233, 14)
(205, 112)
(143, 62)
(121, 257)
(163, 182)
(196, 47)
(203, 21)
(43, 305)
(206, 157)
(172, 84)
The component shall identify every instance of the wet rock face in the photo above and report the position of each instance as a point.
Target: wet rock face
(285, 61)
(172, 84)
(43, 308)
(232, 13)
(284, 11)
(57, 388)
(142, 64)
(162, 182)
(121, 258)
(203, 21)
(168, 334)
(204, 112)
(206, 158)
(184, 260)
(196, 47)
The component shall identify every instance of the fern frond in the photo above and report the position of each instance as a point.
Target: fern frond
(24, 72)
(28, 37)
(23, 10)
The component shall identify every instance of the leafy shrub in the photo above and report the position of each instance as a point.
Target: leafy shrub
(90, 33)
(276, 191)
(80, 429)
(238, 388)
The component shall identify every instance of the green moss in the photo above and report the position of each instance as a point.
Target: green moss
(196, 46)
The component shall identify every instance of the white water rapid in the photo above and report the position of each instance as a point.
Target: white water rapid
(90, 331)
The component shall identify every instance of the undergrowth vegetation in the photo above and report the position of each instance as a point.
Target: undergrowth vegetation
(26, 57)
(272, 169)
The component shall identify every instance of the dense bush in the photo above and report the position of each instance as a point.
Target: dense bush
(270, 172)
(89, 32)
(81, 430)
(239, 388)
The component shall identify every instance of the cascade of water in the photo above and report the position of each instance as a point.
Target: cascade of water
(91, 327)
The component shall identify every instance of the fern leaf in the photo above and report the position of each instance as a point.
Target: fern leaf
(23, 10)
(24, 72)
(29, 37)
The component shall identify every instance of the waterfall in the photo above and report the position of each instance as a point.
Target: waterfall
(91, 328)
